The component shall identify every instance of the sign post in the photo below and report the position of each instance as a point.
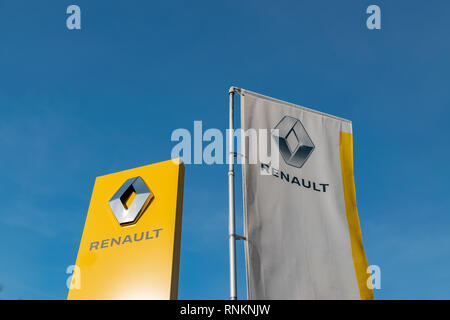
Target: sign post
(130, 247)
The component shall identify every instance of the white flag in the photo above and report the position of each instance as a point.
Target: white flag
(301, 223)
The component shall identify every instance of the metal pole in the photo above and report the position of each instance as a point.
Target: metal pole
(231, 224)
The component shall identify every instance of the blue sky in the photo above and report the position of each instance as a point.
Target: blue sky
(78, 104)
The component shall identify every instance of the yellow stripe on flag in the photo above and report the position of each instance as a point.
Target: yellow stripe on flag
(359, 257)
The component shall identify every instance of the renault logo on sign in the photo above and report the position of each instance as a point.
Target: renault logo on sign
(134, 225)
(293, 141)
(130, 201)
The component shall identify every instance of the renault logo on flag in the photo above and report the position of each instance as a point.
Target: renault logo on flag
(293, 141)
(130, 201)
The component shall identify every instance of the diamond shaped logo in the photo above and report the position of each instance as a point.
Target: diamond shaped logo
(293, 141)
(130, 201)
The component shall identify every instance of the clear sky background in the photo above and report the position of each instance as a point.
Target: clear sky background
(78, 104)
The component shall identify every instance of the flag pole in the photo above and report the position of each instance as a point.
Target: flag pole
(231, 215)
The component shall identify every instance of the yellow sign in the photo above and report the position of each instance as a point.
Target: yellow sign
(130, 248)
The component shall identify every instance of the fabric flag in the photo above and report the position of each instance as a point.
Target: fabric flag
(301, 223)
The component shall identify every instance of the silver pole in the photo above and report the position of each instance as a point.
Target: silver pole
(231, 224)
